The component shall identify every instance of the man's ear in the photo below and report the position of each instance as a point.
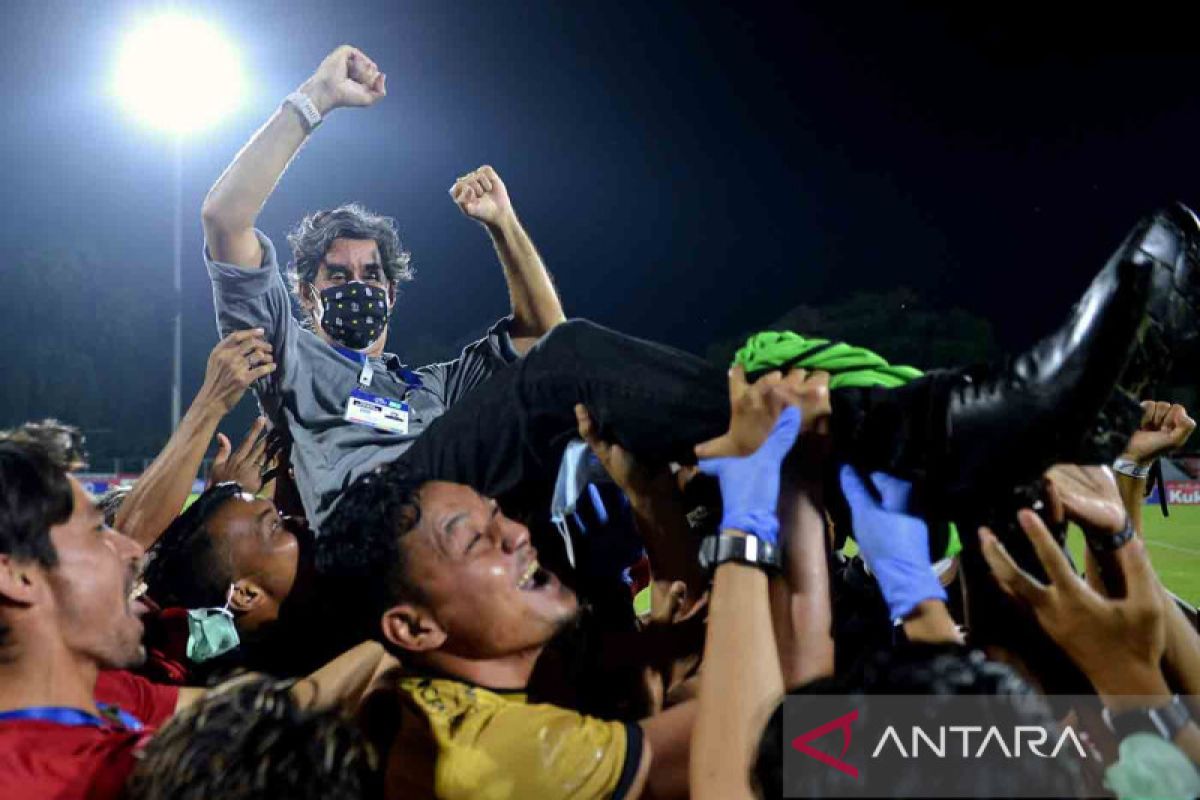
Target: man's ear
(247, 596)
(412, 628)
(393, 293)
(18, 580)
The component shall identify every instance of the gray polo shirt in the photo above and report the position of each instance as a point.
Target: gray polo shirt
(307, 393)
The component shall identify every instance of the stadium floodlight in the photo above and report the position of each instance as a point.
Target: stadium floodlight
(178, 74)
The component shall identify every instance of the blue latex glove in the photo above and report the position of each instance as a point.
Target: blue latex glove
(750, 485)
(894, 544)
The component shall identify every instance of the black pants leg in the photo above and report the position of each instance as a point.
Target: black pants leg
(653, 400)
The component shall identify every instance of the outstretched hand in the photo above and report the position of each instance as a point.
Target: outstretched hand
(1118, 643)
(894, 543)
(245, 466)
(237, 361)
(755, 407)
(1087, 496)
(347, 77)
(750, 482)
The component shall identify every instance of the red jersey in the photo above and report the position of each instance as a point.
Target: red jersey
(66, 754)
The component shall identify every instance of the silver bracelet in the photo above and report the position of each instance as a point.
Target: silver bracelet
(1101, 544)
(1129, 467)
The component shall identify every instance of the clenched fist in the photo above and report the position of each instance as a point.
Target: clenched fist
(347, 77)
(481, 196)
(1165, 428)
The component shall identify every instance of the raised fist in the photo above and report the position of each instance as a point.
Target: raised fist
(347, 77)
(1165, 428)
(481, 196)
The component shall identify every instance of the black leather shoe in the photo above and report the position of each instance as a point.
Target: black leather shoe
(1170, 249)
(1057, 401)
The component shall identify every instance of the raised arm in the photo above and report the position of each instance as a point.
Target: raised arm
(657, 508)
(340, 683)
(158, 496)
(1165, 428)
(741, 682)
(1089, 497)
(345, 78)
(482, 196)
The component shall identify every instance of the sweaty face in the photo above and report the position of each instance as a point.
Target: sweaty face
(93, 585)
(347, 260)
(261, 546)
(480, 575)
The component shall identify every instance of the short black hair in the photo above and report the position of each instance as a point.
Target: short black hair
(185, 568)
(359, 546)
(249, 739)
(35, 495)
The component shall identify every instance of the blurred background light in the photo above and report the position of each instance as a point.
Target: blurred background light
(178, 74)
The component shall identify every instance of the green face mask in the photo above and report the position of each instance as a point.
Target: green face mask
(211, 632)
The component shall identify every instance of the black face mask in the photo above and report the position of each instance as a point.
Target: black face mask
(355, 314)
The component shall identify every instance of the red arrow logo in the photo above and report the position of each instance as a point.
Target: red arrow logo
(800, 743)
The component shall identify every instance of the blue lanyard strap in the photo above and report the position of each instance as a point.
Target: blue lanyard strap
(410, 378)
(74, 717)
(353, 355)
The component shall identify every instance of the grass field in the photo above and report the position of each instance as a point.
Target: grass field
(1174, 544)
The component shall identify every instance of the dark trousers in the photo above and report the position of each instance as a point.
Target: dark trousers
(507, 436)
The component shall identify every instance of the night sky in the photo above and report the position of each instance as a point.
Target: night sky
(687, 170)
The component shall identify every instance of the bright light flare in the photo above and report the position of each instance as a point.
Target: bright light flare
(178, 74)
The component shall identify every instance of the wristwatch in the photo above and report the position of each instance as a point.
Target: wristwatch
(1166, 721)
(718, 549)
(306, 108)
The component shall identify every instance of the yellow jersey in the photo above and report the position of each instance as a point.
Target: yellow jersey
(456, 741)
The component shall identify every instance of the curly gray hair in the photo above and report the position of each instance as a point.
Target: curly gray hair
(311, 239)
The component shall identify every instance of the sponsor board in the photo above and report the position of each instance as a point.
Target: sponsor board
(1179, 493)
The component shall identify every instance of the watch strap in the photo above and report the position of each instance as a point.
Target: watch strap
(1108, 544)
(1166, 721)
(722, 548)
(306, 108)
(1131, 468)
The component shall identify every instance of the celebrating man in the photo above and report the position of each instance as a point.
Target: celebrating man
(347, 404)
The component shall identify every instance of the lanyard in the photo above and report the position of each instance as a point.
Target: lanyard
(73, 717)
(410, 378)
(368, 372)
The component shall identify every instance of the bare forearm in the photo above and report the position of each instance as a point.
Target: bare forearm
(343, 681)
(1133, 494)
(800, 605)
(931, 623)
(535, 304)
(163, 488)
(1181, 662)
(235, 200)
(739, 686)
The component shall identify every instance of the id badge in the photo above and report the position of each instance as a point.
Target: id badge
(376, 411)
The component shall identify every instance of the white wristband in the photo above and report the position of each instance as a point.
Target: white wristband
(1131, 468)
(306, 108)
